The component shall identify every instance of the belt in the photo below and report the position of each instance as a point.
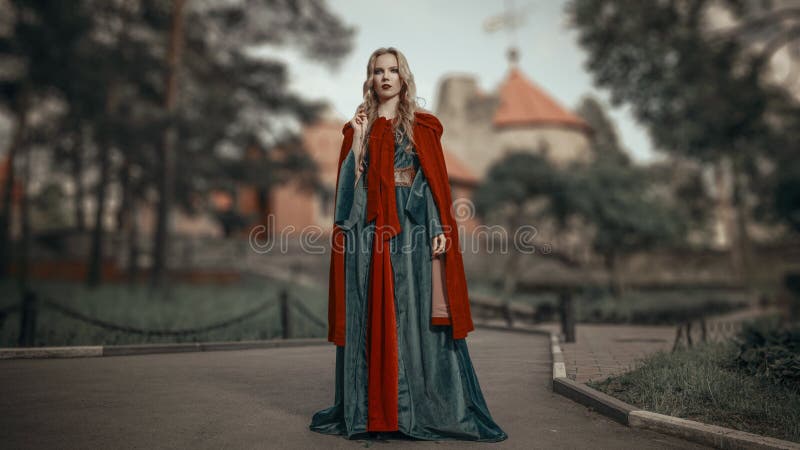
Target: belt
(403, 176)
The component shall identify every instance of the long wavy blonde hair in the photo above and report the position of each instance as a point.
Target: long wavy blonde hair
(403, 122)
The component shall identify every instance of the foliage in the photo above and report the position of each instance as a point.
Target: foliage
(49, 206)
(701, 94)
(615, 198)
(787, 194)
(619, 202)
(514, 181)
(770, 351)
(696, 97)
(606, 144)
(91, 75)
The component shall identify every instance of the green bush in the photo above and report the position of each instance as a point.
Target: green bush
(770, 351)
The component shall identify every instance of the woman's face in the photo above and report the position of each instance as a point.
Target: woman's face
(386, 80)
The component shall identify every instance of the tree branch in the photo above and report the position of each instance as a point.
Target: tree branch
(757, 24)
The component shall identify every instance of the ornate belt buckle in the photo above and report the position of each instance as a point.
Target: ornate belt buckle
(404, 176)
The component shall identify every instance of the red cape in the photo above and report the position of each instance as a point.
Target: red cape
(427, 134)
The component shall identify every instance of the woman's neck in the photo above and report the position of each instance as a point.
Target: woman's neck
(388, 107)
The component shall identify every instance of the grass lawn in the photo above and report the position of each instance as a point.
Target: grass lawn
(186, 306)
(697, 384)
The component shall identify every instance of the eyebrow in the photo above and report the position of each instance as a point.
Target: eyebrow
(391, 67)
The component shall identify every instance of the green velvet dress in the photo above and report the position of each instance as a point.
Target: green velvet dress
(439, 394)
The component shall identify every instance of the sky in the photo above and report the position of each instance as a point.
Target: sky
(447, 37)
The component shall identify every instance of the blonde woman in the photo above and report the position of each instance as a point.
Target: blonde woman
(398, 308)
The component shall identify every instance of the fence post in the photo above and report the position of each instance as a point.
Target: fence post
(27, 328)
(791, 281)
(689, 334)
(703, 329)
(678, 336)
(567, 315)
(285, 315)
(507, 313)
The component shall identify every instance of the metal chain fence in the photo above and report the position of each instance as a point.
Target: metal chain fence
(31, 301)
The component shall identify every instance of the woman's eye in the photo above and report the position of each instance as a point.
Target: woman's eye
(395, 70)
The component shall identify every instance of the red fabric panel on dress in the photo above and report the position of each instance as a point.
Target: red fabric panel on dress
(382, 359)
(382, 343)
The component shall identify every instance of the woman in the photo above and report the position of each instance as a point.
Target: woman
(398, 306)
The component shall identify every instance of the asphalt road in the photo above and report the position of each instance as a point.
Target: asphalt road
(250, 399)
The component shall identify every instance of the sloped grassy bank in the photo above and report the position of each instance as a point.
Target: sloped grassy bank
(750, 384)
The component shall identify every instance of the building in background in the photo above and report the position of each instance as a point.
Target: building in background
(481, 127)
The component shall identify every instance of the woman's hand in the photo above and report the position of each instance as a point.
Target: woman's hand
(359, 122)
(438, 245)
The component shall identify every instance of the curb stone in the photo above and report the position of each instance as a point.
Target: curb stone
(145, 349)
(711, 435)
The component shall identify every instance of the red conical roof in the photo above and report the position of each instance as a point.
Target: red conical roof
(522, 102)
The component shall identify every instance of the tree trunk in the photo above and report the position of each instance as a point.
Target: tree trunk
(25, 244)
(166, 176)
(28, 312)
(7, 211)
(77, 177)
(742, 245)
(123, 213)
(133, 243)
(264, 211)
(94, 277)
(614, 277)
(511, 272)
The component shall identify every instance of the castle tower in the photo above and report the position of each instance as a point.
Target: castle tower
(481, 128)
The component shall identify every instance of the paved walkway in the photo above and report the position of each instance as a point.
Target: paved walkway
(264, 398)
(602, 350)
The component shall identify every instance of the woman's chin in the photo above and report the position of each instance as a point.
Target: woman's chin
(385, 97)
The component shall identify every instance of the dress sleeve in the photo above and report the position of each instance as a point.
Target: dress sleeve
(421, 207)
(434, 222)
(345, 189)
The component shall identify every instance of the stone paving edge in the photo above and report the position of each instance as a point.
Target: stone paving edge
(145, 349)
